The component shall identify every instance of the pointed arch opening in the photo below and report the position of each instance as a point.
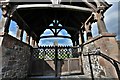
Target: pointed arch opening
(55, 32)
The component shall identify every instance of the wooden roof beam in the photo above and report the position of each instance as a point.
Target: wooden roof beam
(62, 27)
(90, 5)
(54, 6)
(21, 20)
(55, 36)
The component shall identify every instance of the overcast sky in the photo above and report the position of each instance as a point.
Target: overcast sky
(111, 21)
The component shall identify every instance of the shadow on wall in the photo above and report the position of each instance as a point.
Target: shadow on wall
(42, 67)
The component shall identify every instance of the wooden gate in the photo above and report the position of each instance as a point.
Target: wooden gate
(55, 61)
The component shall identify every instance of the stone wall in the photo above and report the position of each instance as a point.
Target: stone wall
(119, 48)
(108, 46)
(0, 63)
(118, 43)
(15, 58)
(98, 70)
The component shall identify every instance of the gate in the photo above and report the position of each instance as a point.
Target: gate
(55, 61)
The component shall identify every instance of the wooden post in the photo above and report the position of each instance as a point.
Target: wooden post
(27, 38)
(100, 22)
(56, 58)
(18, 33)
(69, 66)
(31, 41)
(7, 24)
(88, 30)
(80, 38)
(2, 24)
(56, 61)
(36, 45)
(21, 35)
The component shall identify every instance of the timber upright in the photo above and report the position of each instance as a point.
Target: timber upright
(97, 58)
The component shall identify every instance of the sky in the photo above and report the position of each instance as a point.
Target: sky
(50, 41)
(111, 18)
(111, 21)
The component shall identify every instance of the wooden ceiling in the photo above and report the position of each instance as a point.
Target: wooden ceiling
(38, 19)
